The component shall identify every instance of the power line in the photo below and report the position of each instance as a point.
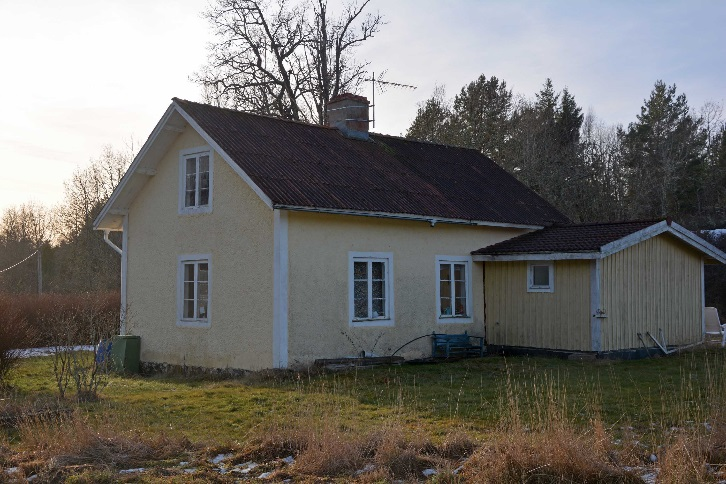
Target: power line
(18, 263)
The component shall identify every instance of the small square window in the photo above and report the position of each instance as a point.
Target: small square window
(540, 277)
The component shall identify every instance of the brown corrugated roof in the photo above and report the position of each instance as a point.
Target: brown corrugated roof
(567, 238)
(303, 165)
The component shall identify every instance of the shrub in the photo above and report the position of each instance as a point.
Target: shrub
(15, 334)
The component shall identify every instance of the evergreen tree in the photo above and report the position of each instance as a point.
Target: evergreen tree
(664, 151)
(481, 116)
(432, 121)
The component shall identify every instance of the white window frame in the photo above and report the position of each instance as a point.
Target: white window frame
(454, 259)
(530, 276)
(387, 259)
(183, 155)
(180, 319)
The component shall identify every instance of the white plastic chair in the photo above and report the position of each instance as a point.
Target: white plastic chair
(714, 326)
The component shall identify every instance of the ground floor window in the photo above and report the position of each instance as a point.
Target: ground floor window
(453, 288)
(194, 290)
(541, 276)
(371, 288)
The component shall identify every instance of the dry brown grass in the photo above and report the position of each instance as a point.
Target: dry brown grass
(558, 455)
(52, 448)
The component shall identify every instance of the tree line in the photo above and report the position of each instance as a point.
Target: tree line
(74, 257)
(669, 162)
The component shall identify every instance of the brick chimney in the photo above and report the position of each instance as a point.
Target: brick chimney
(349, 113)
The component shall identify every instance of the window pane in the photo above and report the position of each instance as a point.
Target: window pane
(445, 288)
(379, 289)
(189, 290)
(191, 167)
(190, 199)
(204, 168)
(460, 306)
(460, 288)
(360, 296)
(445, 272)
(202, 290)
(540, 275)
(188, 309)
(188, 272)
(360, 270)
(378, 308)
(459, 272)
(377, 270)
(204, 197)
(203, 271)
(202, 309)
(445, 306)
(361, 308)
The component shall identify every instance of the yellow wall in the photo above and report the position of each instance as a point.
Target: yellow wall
(651, 285)
(319, 245)
(238, 234)
(557, 320)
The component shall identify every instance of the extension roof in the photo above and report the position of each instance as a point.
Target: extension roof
(299, 166)
(590, 241)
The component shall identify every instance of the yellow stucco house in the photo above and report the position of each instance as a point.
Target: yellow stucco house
(253, 242)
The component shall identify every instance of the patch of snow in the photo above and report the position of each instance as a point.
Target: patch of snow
(191, 470)
(264, 475)
(650, 477)
(184, 463)
(288, 460)
(12, 470)
(653, 458)
(219, 458)
(458, 469)
(132, 471)
(49, 351)
(366, 468)
(428, 472)
(32, 478)
(245, 468)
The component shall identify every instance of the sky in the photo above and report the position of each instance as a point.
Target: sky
(82, 74)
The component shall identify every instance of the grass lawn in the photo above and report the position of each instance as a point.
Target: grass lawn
(479, 397)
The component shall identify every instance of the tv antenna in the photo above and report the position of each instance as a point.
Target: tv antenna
(385, 85)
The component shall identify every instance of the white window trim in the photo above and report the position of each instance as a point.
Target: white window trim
(444, 319)
(180, 320)
(199, 150)
(530, 276)
(389, 319)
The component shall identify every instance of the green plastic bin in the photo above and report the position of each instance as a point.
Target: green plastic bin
(126, 353)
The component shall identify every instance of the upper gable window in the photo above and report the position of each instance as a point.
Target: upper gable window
(541, 277)
(195, 194)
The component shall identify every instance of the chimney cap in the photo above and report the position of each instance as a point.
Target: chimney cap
(348, 96)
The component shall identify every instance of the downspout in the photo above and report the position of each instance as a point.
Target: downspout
(123, 254)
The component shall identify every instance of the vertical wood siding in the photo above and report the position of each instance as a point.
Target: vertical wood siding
(654, 284)
(558, 320)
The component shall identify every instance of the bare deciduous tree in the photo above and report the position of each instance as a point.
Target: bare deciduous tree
(284, 59)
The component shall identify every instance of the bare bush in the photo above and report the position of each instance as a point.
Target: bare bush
(15, 334)
(92, 322)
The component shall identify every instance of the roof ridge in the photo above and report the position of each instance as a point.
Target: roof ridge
(415, 140)
(258, 115)
(619, 222)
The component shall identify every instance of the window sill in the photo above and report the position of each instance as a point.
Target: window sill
(196, 210)
(454, 319)
(372, 322)
(540, 289)
(193, 323)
